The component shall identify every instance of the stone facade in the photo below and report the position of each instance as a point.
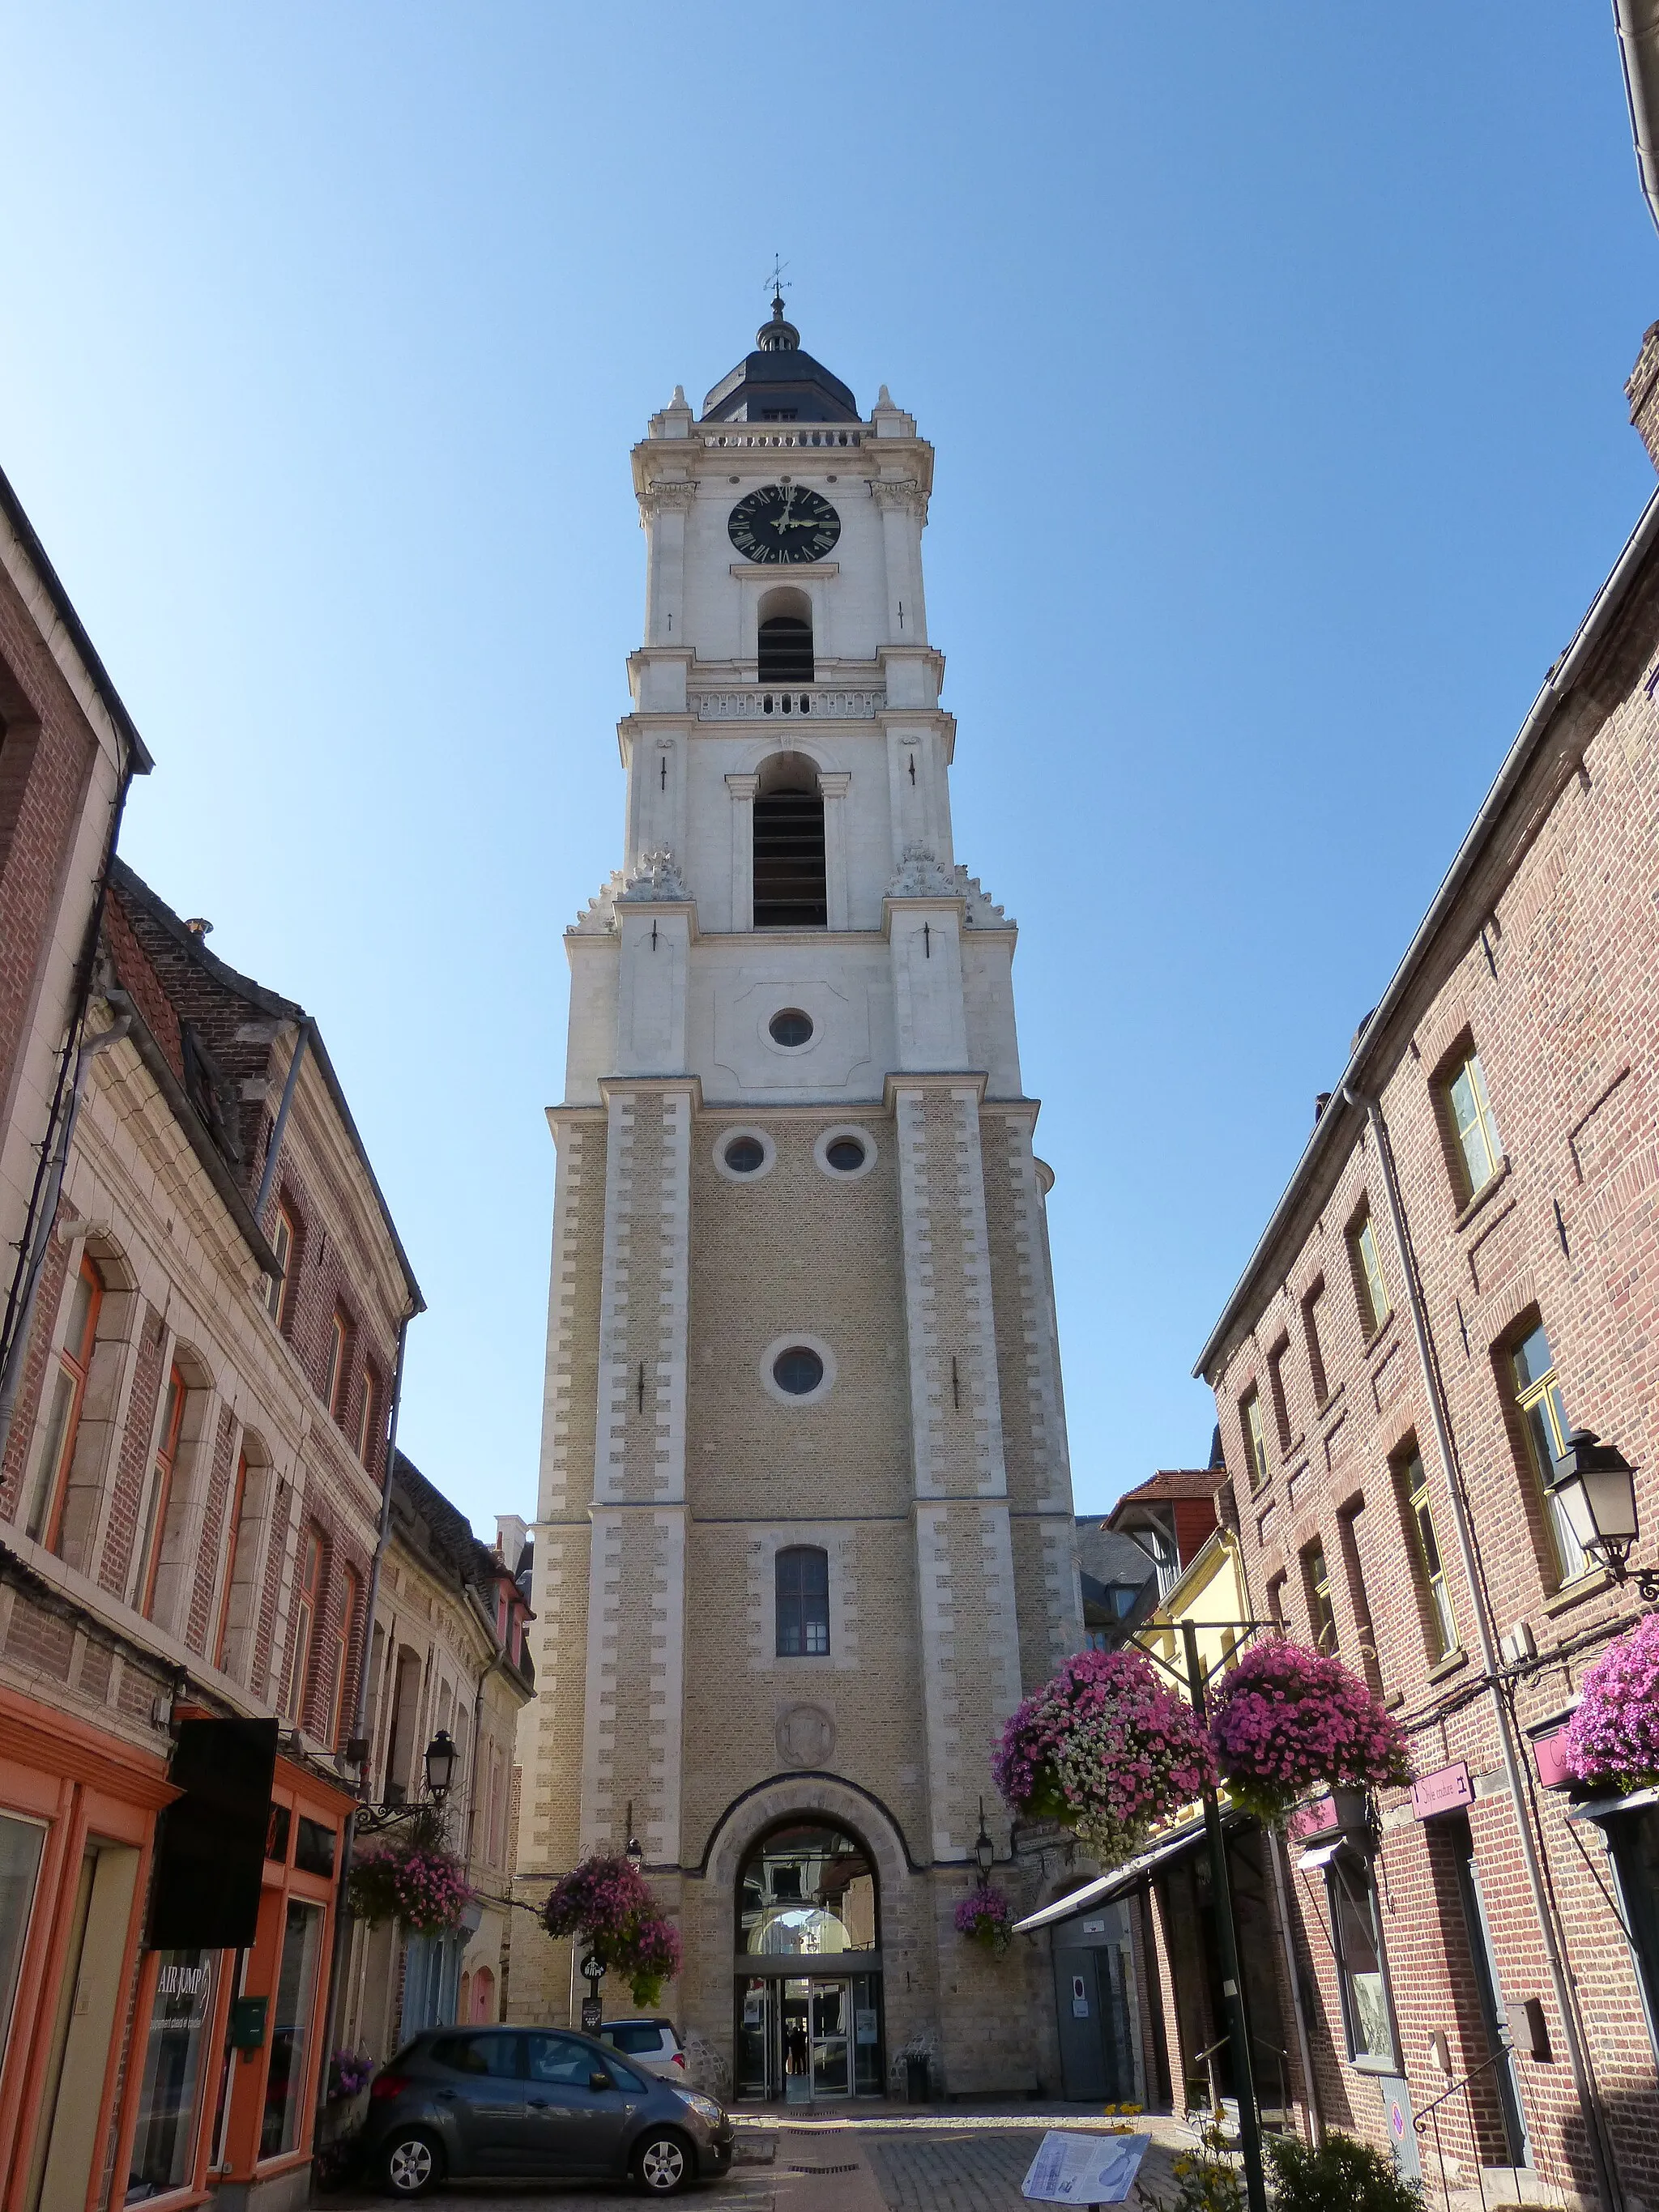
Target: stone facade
(1396, 1441)
(927, 1465)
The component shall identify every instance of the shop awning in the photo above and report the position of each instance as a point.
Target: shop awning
(1318, 1856)
(1113, 1884)
(1602, 1808)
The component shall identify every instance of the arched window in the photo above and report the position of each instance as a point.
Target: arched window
(345, 1629)
(400, 1742)
(790, 887)
(160, 1493)
(69, 1392)
(307, 1600)
(803, 1587)
(807, 1890)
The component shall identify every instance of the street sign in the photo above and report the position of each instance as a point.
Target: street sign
(592, 1969)
(592, 2014)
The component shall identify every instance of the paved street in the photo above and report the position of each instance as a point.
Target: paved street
(947, 2160)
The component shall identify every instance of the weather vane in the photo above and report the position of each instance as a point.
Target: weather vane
(775, 280)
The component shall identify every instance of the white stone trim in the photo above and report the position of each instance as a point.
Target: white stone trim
(760, 1136)
(560, 1324)
(828, 1137)
(782, 1344)
(840, 1543)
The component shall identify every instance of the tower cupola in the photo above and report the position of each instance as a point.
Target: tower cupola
(779, 383)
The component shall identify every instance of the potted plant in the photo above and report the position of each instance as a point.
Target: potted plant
(1106, 1749)
(349, 2071)
(1288, 1720)
(608, 1903)
(1613, 1737)
(985, 1917)
(418, 1882)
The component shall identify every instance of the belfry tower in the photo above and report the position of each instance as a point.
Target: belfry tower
(805, 1531)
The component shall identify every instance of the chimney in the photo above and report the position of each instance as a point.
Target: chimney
(1642, 393)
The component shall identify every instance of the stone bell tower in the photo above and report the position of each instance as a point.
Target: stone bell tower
(804, 1536)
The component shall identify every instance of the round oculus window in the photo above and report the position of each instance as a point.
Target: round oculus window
(790, 1027)
(798, 1370)
(845, 1154)
(745, 1156)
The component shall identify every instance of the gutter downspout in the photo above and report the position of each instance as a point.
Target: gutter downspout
(1637, 25)
(1561, 1981)
(347, 1833)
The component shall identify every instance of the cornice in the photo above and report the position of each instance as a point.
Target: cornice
(934, 1078)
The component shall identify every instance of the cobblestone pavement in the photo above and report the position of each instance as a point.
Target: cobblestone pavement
(893, 2160)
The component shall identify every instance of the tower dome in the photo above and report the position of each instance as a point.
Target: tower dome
(779, 383)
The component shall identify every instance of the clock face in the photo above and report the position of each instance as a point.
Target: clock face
(783, 522)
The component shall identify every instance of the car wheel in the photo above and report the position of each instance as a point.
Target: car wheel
(410, 2163)
(664, 2162)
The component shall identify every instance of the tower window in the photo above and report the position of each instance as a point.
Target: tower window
(745, 1155)
(791, 892)
(785, 645)
(803, 1600)
(791, 1028)
(846, 1155)
(798, 1370)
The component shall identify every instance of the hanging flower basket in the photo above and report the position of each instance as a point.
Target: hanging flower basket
(1105, 1749)
(349, 2071)
(1613, 1737)
(423, 1887)
(1288, 1720)
(609, 1904)
(985, 1917)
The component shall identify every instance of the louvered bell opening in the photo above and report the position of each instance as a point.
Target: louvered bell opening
(786, 650)
(789, 882)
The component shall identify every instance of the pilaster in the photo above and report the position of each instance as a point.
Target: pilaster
(742, 790)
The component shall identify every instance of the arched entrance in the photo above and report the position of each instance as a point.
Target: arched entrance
(809, 2028)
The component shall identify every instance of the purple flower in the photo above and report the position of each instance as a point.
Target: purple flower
(1287, 1719)
(1615, 1735)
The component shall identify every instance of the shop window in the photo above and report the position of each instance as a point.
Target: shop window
(803, 1601)
(160, 1494)
(1356, 1941)
(290, 2030)
(69, 1391)
(313, 1847)
(20, 1845)
(1634, 1838)
(308, 1598)
(1545, 1429)
(176, 2068)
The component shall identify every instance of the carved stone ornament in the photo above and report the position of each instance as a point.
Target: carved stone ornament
(806, 1736)
(982, 911)
(664, 495)
(907, 496)
(598, 916)
(921, 875)
(657, 876)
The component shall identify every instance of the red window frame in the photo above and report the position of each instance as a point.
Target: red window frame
(167, 1454)
(75, 1362)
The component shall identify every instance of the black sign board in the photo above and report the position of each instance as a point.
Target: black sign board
(210, 1843)
(592, 1969)
(592, 2014)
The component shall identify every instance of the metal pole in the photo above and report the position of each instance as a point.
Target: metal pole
(1249, 2119)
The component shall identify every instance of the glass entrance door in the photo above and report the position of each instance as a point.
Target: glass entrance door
(807, 2040)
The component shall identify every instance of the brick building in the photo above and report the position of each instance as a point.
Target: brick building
(1466, 1264)
(447, 1656)
(191, 1506)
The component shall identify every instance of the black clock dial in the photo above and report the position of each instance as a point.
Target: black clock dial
(783, 522)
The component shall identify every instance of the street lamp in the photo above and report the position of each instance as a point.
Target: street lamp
(633, 1849)
(985, 1851)
(1596, 1488)
(441, 1756)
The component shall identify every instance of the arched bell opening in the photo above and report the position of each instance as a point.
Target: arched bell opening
(784, 638)
(791, 888)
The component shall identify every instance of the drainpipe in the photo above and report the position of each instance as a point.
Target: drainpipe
(1567, 1996)
(1638, 23)
(347, 1834)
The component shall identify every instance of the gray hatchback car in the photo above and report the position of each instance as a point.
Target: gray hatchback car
(529, 2103)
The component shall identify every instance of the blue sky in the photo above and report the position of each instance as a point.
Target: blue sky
(1274, 359)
